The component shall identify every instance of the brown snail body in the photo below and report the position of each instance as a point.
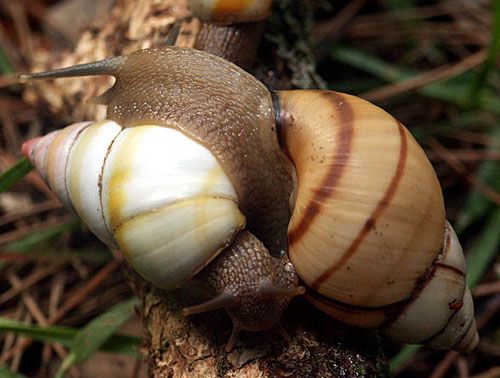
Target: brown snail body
(364, 196)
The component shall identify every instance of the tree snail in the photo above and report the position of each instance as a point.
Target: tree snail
(229, 12)
(196, 172)
(231, 29)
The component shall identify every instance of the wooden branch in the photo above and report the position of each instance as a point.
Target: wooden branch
(194, 347)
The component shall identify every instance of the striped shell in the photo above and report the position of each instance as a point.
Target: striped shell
(150, 191)
(230, 11)
(368, 232)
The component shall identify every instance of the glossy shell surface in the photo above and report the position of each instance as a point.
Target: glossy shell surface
(368, 233)
(150, 191)
(369, 214)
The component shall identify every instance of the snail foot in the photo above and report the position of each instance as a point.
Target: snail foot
(232, 338)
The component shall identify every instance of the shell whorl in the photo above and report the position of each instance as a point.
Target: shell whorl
(367, 228)
(150, 191)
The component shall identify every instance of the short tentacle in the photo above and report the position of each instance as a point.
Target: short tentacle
(268, 289)
(221, 301)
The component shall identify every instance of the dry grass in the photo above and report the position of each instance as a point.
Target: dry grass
(432, 64)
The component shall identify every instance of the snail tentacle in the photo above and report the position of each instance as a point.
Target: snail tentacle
(109, 66)
(259, 287)
(222, 300)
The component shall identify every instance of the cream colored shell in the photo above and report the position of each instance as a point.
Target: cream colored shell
(150, 191)
(368, 232)
(231, 11)
(369, 214)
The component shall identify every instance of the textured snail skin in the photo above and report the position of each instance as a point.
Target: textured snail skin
(237, 43)
(368, 233)
(231, 29)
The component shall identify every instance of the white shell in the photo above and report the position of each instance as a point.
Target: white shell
(439, 299)
(461, 331)
(83, 175)
(150, 191)
(57, 159)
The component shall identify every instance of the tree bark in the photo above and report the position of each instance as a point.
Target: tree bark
(192, 347)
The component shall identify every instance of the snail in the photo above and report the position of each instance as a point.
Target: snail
(231, 29)
(230, 12)
(201, 171)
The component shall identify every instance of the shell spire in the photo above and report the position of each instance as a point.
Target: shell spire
(149, 191)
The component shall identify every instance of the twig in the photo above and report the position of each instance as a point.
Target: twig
(79, 295)
(29, 281)
(74, 299)
(463, 369)
(40, 318)
(330, 29)
(8, 80)
(19, 347)
(460, 168)
(441, 73)
(487, 289)
(491, 373)
(18, 234)
(41, 207)
(56, 290)
(445, 364)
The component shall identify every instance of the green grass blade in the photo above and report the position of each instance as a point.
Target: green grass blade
(484, 250)
(477, 205)
(6, 373)
(123, 344)
(479, 82)
(5, 66)
(88, 340)
(37, 238)
(14, 174)
(404, 356)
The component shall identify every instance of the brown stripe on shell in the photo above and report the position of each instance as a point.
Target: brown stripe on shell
(443, 328)
(446, 250)
(420, 286)
(469, 324)
(336, 169)
(389, 309)
(449, 267)
(372, 219)
(109, 227)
